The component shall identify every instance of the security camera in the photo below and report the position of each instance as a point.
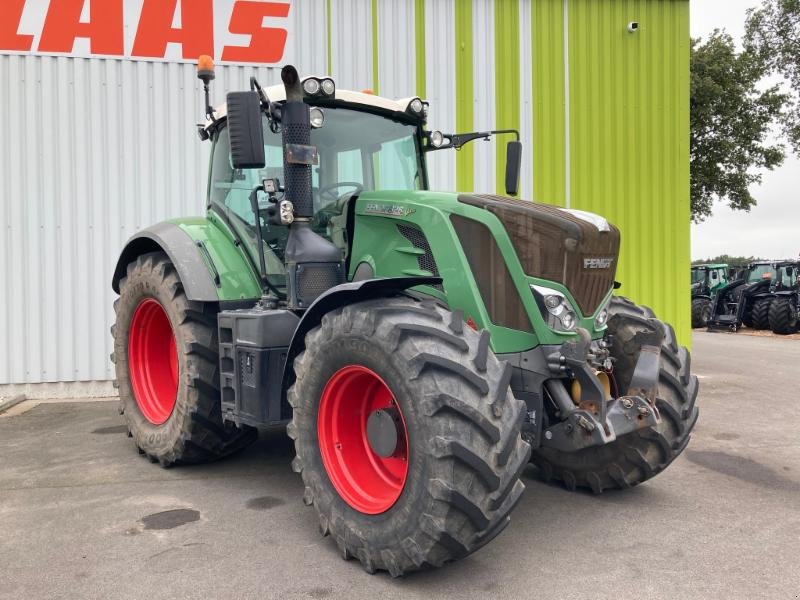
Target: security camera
(633, 26)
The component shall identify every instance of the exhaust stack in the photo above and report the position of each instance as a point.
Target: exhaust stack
(296, 126)
(313, 264)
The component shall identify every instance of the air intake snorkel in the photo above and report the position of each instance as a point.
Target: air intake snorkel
(313, 264)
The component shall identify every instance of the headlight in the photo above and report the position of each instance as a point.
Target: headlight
(311, 86)
(437, 139)
(328, 87)
(555, 308)
(552, 301)
(317, 117)
(416, 106)
(601, 320)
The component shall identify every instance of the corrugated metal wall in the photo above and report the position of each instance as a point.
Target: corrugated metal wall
(97, 149)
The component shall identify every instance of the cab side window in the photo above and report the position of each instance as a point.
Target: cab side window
(231, 187)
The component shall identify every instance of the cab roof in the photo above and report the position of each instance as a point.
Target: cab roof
(711, 266)
(778, 262)
(277, 93)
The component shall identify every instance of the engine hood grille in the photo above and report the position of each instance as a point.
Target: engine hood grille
(574, 248)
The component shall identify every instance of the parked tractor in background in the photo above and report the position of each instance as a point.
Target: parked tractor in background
(707, 280)
(784, 310)
(748, 300)
(420, 347)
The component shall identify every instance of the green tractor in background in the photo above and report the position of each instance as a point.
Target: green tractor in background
(763, 296)
(707, 280)
(420, 347)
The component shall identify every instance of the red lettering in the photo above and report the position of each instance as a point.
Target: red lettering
(10, 39)
(196, 33)
(266, 43)
(63, 24)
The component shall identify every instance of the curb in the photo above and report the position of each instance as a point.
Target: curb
(9, 402)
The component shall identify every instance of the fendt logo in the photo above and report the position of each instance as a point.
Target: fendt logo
(235, 31)
(598, 262)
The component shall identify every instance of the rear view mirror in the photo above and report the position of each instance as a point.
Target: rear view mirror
(513, 167)
(245, 129)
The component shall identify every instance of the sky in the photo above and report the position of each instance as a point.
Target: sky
(772, 228)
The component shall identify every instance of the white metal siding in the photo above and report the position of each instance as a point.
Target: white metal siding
(483, 116)
(94, 151)
(396, 49)
(440, 82)
(351, 43)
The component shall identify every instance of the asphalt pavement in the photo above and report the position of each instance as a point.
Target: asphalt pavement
(82, 515)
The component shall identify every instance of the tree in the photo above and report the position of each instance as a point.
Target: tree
(772, 33)
(731, 261)
(730, 122)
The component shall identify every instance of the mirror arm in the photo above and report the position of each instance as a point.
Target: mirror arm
(457, 140)
(266, 104)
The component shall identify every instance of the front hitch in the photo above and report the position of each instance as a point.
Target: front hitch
(597, 420)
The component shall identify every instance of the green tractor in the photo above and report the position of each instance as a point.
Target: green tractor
(784, 309)
(749, 299)
(707, 280)
(420, 347)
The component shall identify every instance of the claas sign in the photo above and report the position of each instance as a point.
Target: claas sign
(235, 31)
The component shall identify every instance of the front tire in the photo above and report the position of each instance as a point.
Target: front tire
(782, 317)
(460, 424)
(166, 360)
(640, 455)
(701, 312)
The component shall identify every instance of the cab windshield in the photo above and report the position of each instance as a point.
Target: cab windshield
(759, 272)
(358, 151)
(698, 275)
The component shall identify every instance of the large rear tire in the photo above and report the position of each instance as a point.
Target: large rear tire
(637, 456)
(760, 313)
(701, 312)
(460, 434)
(782, 317)
(166, 359)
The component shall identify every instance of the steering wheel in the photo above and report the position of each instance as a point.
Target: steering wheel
(329, 189)
(323, 216)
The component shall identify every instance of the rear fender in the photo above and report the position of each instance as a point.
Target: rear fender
(198, 282)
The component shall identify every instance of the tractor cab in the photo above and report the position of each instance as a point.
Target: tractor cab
(359, 143)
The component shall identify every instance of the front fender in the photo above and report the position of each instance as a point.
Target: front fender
(342, 295)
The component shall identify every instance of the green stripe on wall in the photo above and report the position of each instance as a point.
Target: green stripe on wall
(547, 48)
(419, 39)
(330, 44)
(375, 63)
(506, 83)
(465, 164)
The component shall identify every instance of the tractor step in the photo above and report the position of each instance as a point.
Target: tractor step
(253, 345)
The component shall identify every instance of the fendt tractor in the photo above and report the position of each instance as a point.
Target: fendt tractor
(707, 280)
(764, 296)
(420, 347)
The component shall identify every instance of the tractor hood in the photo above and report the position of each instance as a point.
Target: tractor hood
(574, 248)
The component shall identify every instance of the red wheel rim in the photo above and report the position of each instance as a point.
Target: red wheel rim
(153, 361)
(368, 482)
